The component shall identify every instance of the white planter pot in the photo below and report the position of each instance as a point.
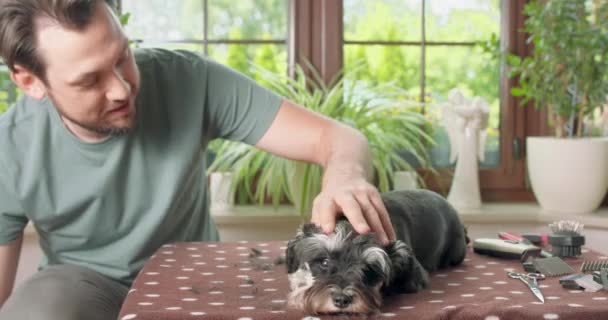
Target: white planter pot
(221, 197)
(405, 180)
(568, 175)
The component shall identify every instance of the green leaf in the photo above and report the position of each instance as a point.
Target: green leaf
(517, 92)
(124, 18)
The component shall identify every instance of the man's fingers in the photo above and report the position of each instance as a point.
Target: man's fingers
(384, 216)
(324, 214)
(352, 210)
(373, 217)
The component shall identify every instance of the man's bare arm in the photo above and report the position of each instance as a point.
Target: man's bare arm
(9, 259)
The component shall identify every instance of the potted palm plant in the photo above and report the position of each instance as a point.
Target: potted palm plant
(566, 75)
(390, 123)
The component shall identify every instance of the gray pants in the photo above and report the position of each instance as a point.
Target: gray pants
(64, 292)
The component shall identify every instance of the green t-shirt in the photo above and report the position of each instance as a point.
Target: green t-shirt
(109, 205)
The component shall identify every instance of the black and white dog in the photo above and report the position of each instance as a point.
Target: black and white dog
(345, 272)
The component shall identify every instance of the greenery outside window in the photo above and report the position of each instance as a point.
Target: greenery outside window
(8, 90)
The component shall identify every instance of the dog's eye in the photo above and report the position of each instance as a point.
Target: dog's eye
(324, 263)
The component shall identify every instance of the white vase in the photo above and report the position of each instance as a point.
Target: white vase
(221, 197)
(568, 175)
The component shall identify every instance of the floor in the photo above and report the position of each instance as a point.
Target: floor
(596, 239)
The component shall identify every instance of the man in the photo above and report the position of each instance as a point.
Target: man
(103, 155)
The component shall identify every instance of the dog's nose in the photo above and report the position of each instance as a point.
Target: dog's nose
(341, 300)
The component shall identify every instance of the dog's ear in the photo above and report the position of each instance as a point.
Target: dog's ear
(291, 257)
(408, 275)
(308, 230)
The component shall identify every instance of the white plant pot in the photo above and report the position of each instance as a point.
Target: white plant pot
(405, 180)
(221, 197)
(568, 175)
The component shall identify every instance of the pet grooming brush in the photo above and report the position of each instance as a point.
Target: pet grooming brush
(567, 238)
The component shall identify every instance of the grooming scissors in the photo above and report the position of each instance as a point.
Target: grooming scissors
(531, 280)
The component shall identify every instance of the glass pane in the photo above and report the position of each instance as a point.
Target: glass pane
(164, 19)
(380, 63)
(244, 57)
(382, 20)
(469, 70)
(462, 20)
(8, 91)
(248, 19)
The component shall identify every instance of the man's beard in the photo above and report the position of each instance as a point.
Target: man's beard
(101, 129)
(106, 130)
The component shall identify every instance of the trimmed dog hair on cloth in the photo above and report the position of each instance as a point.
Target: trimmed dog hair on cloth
(346, 272)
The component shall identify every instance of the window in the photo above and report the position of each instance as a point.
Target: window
(428, 47)
(240, 34)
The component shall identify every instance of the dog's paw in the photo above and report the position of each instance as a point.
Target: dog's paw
(409, 275)
(417, 280)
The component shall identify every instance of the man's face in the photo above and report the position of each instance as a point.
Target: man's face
(91, 74)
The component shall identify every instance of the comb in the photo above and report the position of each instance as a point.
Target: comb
(597, 265)
(552, 267)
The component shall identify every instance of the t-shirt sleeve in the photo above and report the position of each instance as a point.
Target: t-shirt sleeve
(238, 108)
(12, 217)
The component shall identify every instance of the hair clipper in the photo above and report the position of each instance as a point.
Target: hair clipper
(508, 249)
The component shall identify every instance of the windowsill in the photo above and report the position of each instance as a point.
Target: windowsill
(530, 212)
(493, 212)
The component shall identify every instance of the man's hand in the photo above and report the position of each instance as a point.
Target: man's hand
(358, 201)
(9, 260)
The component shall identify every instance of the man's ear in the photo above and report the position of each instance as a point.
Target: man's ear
(29, 83)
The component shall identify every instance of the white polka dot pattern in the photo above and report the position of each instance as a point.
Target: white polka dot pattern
(230, 280)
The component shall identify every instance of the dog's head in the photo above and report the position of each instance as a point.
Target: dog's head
(343, 272)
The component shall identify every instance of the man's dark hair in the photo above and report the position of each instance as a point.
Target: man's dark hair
(18, 22)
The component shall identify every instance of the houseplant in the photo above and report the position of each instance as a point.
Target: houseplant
(380, 112)
(566, 74)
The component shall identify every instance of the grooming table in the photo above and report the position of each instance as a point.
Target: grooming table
(246, 280)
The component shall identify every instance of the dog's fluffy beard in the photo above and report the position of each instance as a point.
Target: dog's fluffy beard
(345, 272)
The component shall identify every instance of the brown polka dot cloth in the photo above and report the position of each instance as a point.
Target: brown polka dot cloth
(248, 281)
